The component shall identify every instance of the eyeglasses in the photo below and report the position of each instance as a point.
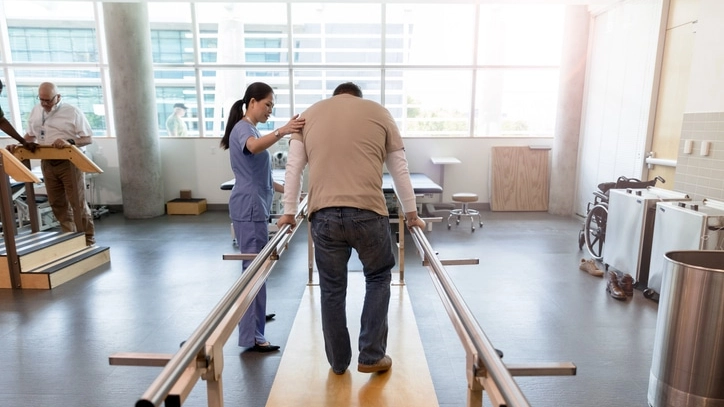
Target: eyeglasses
(47, 100)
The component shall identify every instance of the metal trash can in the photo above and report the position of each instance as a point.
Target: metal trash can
(687, 367)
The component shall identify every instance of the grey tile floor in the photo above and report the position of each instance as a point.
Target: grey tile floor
(167, 273)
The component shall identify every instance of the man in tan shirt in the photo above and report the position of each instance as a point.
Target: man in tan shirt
(346, 141)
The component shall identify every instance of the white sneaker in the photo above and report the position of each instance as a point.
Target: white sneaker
(589, 266)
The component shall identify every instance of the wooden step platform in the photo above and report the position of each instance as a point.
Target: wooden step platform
(305, 378)
(48, 259)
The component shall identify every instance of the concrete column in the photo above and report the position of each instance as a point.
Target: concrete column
(134, 106)
(570, 105)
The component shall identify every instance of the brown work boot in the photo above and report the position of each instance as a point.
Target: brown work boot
(613, 288)
(381, 365)
(626, 282)
(589, 266)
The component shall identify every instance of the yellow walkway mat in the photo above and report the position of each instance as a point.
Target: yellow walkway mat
(305, 378)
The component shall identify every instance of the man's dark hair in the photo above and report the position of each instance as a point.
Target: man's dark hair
(1, 86)
(348, 87)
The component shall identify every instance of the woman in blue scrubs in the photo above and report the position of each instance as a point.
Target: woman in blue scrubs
(253, 192)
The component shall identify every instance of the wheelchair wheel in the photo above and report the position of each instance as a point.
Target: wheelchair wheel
(595, 230)
(581, 239)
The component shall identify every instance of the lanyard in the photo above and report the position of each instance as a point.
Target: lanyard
(44, 118)
(52, 112)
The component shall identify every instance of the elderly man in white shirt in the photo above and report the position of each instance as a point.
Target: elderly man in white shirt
(57, 124)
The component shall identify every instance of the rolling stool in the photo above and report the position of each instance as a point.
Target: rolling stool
(465, 198)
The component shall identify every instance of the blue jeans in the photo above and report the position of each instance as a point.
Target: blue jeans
(335, 232)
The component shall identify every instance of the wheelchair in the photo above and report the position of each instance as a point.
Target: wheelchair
(593, 231)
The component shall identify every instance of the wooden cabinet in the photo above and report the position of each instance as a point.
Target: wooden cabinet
(519, 179)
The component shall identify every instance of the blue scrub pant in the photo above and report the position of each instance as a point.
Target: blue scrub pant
(252, 237)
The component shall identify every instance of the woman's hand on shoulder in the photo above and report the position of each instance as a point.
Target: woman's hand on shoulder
(295, 125)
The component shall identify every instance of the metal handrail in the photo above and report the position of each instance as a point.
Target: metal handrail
(487, 362)
(195, 344)
(485, 369)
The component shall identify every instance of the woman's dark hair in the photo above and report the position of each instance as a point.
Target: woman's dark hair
(348, 87)
(1, 86)
(257, 91)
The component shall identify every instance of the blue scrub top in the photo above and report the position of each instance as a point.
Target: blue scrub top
(253, 191)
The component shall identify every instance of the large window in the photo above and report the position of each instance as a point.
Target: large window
(445, 69)
(52, 45)
(53, 41)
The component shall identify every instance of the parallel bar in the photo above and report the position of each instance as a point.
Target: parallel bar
(453, 262)
(139, 359)
(184, 385)
(220, 336)
(71, 153)
(240, 256)
(485, 351)
(310, 256)
(11, 167)
(195, 345)
(496, 398)
(485, 367)
(9, 227)
(543, 369)
(401, 244)
(16, 169)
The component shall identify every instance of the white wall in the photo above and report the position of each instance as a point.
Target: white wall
(707, 64)
(196, 164)
(697, 175)
(618, 109)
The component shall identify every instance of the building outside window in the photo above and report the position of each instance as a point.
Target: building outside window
(446, 69)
